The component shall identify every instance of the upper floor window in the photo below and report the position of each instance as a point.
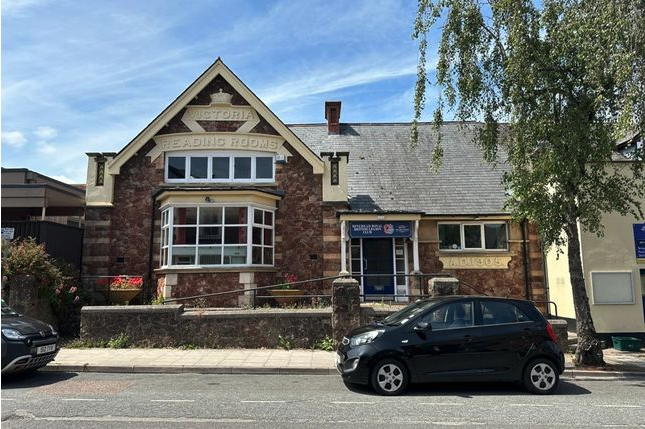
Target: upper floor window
(220, 167)
(473, 236)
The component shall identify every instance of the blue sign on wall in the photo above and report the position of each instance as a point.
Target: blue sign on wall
(639, 239)
(380, 229)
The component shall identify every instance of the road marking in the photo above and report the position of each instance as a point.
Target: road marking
(530, 405)
(351, 403)
(124, 419)
(263, 402)
(619, 406)
(172, 400)
(83, 399)
(8, 399)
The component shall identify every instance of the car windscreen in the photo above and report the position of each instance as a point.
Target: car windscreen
(402, 316)
(8, 311)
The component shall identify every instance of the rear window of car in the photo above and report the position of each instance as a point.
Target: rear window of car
(498, 313)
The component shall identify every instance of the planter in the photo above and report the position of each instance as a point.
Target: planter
(286, 296)
(121, 296)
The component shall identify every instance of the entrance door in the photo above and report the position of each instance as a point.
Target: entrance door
(378, 267)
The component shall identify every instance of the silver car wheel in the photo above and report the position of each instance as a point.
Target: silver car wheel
(543, 377)
(390, 378)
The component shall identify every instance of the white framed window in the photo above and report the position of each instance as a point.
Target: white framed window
(217, 235)
(473, 235)
(612, 287)
(222, 167)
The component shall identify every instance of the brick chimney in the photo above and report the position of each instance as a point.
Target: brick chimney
(332, 114)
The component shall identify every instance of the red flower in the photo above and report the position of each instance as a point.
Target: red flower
(126, 282)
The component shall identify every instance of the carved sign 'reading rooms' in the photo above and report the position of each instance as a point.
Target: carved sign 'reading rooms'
(218, 141)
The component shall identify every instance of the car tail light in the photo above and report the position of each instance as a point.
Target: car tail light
(551, 332)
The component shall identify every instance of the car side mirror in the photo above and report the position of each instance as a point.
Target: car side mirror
(423, 327)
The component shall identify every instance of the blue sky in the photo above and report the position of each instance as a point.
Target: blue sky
(87, 76)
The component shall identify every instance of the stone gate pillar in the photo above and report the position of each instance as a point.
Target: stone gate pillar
(441, 286)
(346, 306)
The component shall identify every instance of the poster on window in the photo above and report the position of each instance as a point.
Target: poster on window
(639, 239)
(380, 229)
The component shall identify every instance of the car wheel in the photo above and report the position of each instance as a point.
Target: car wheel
(541, 376)
(389, 377)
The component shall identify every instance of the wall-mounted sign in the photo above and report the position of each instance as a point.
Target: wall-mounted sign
(475, 262)
(639, 239)
(201, 141)
(380, 229)
(7, 233)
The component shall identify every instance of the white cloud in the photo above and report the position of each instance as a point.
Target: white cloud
(16, 6)
(331, 78)
(45, 148)
(46, 133)
(64, 179)
(13, 138)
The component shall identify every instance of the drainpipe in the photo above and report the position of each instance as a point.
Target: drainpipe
(343, 249)
(527, 288)
(153, 200)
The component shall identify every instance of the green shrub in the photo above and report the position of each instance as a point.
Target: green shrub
(121, 341)
(284, 343)
(326, 344)
(56, 280)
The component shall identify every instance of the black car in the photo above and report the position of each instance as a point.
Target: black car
(27, 344)
(455, 338)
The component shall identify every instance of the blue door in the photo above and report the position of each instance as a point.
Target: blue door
(378, 267)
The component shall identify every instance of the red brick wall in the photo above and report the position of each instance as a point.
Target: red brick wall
(508, 282)
(131, 217)
(299, 221)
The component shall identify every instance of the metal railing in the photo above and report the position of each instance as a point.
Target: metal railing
(255, 297)
(101, 284)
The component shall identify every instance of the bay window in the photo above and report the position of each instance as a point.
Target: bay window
(473, 236)
(216, 235)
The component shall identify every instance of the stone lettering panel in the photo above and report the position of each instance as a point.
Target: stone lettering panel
(222, 141)
(475, 262)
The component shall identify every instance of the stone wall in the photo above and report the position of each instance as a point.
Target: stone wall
(508, 282)
(173, 326)
(299, 221)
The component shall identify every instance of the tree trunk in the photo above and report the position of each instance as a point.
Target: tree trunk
(589, 350)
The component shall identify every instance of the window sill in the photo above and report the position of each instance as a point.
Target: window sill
(232, 269)
(475, 252)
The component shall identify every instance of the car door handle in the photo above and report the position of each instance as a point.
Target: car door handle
(468, 338)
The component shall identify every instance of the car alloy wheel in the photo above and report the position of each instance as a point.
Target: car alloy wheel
(540, 376)
(389, 377)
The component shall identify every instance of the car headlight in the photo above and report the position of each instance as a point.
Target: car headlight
(53, 330)
(12, 334)
(365, 338)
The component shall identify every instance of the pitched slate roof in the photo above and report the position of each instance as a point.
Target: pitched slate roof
(386, 175)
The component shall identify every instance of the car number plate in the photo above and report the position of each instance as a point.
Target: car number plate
(45, 349)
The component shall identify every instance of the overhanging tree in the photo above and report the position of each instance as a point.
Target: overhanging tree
(567, 77)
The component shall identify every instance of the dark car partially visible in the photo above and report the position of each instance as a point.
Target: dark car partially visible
(456, 338)
(27, 343)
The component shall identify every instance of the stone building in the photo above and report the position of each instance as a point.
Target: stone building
(218, 194)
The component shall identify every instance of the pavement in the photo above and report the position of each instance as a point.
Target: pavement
(620, 364)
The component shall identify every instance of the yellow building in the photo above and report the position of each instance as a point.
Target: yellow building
(614, 273)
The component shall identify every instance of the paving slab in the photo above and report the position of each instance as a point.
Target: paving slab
(620, 364)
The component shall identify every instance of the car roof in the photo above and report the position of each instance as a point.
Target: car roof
(446, 298)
